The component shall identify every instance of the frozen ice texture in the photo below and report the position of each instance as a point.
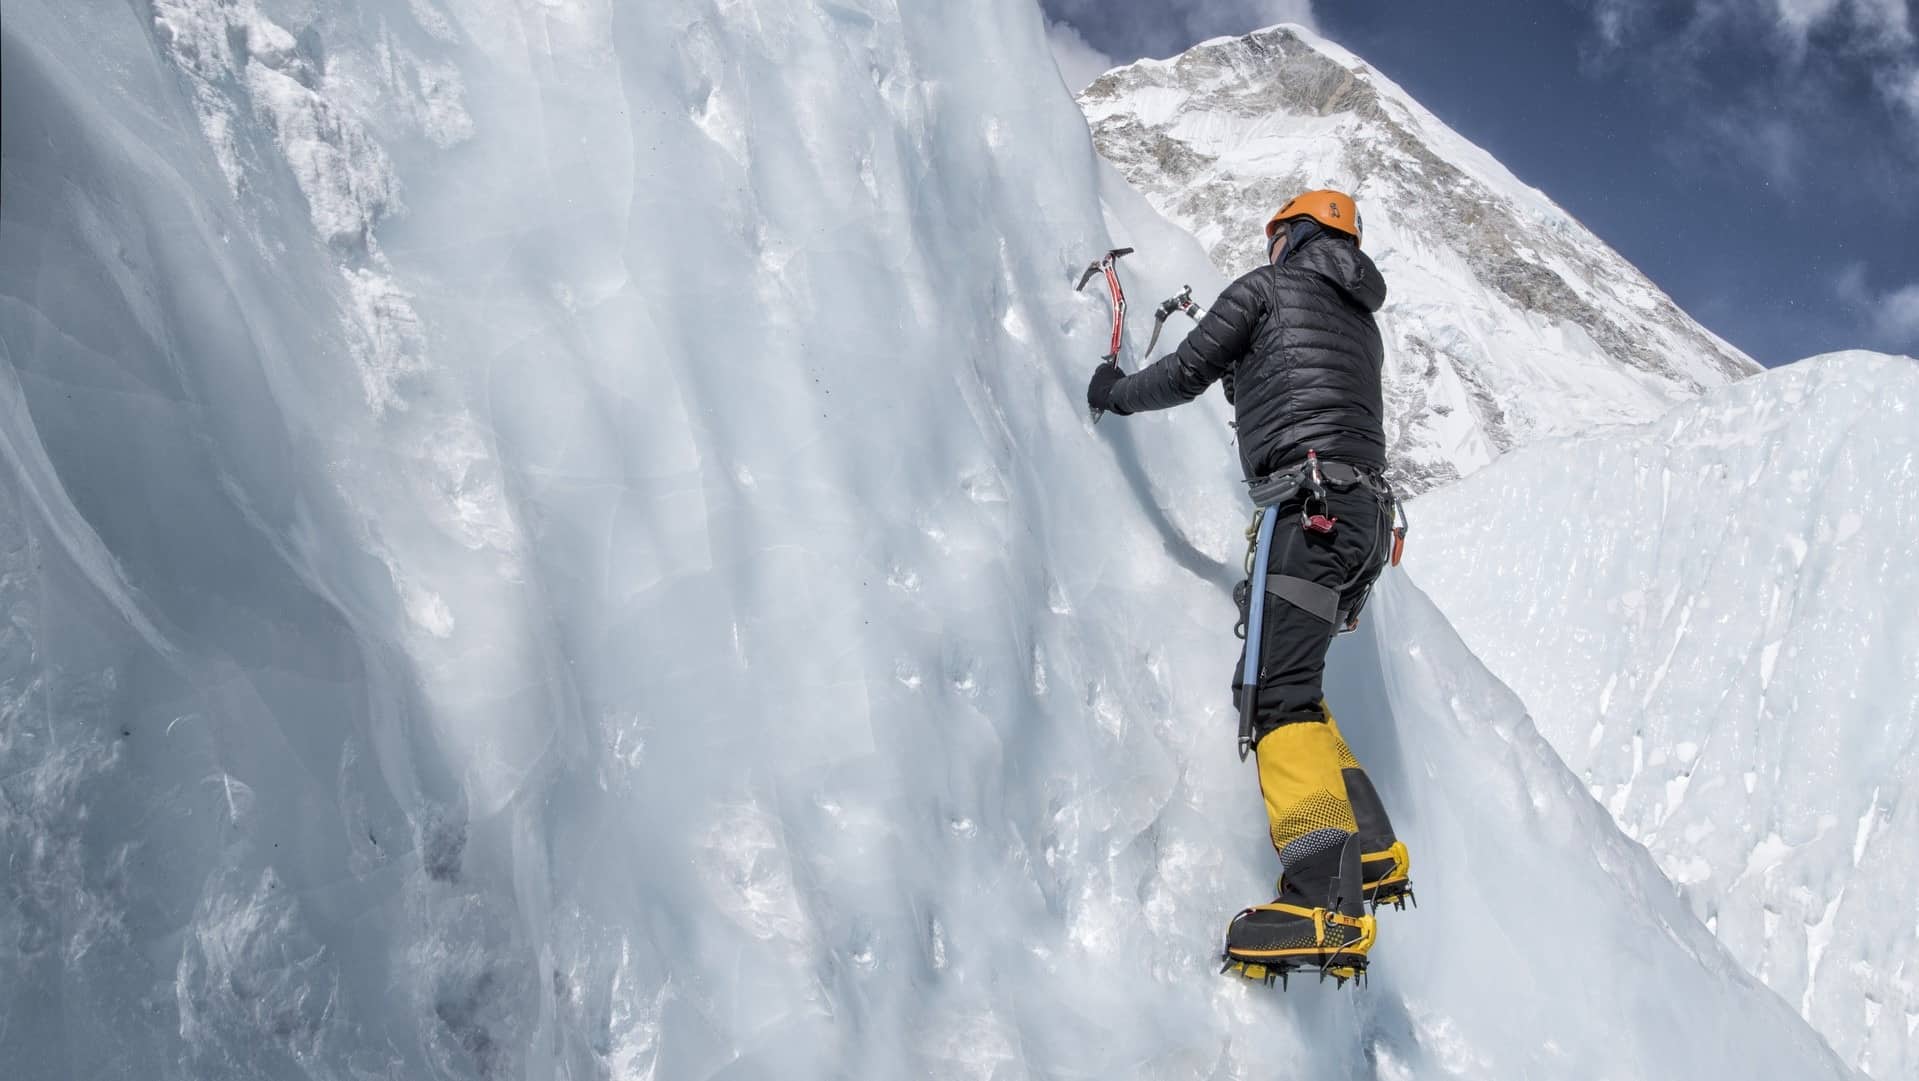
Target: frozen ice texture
(1712, 619)
(561, 539)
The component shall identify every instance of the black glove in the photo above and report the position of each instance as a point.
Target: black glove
(1099, 392)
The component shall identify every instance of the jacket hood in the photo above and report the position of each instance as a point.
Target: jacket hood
(1341, 262)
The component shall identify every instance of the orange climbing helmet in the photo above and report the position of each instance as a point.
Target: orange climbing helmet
(1333, 209)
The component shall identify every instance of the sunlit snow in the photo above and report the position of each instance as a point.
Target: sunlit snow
(561, 540)
(1711, 617)
(1506, 320)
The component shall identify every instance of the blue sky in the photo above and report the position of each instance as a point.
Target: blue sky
(1759, 159)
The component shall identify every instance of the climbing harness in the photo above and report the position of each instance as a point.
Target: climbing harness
(1313, 520)
(1313, 478)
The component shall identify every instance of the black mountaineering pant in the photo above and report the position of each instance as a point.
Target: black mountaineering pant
(1294, 639)
(1328, 824)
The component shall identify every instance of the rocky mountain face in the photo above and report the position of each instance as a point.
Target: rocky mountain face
(1506, 320)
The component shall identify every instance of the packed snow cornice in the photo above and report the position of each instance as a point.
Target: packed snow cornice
(1506, 320)
(1712, 618)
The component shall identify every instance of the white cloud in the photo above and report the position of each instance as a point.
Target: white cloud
(1891, 317)
(1127, 31)
(1897, 318)
(1772, 122)
(1903, 88)
(1613, 18)
(1769, 144)
(1874, 31)
(1240, 16)
(1796, 17)
(1851, 285)
(1079, 63)
(1880, 24)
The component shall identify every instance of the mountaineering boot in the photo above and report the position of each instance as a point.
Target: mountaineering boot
(1319, 919)
(1385, 865)
(1329, 934)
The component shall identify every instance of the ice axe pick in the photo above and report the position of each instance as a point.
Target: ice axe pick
(1181, 302)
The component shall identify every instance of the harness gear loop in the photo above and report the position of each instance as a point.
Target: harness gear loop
(1242, 589)
(1315, 514)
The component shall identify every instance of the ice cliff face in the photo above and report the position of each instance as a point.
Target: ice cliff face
(551, 540)
(1712, 619)
(1506, 321)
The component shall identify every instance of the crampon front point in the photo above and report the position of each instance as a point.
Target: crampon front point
(1395, 896)
(1280, 972)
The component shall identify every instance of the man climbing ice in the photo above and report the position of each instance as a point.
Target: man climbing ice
(1299, 351)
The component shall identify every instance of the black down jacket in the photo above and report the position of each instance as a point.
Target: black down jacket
(1300, 353)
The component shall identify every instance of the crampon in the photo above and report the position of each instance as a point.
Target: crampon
(1281, 973)
(1271, 943)
(1386, 882)
(1395, 896)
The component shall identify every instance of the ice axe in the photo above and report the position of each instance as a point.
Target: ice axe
(1182, 302)
(1108, 264)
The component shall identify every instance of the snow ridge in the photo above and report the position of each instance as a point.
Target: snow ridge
(1711, 617)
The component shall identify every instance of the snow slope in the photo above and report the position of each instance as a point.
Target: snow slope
(1712, 619)
(1506, 320)
(548, 540)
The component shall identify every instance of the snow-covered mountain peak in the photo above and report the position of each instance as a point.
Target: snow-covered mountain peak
(1507, 320)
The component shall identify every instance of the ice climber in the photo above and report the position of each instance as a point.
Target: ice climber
(1299, 352)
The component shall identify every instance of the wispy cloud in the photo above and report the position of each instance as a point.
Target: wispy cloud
(1876, 35)
(1128, 31)
(1610, 18)
(1891, 315)
(1079, 63)
(1239, 16)
(1765, 84)
(1769, 143)
(1900, 85)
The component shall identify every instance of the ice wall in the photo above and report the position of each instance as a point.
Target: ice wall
(1712, 617)
(560, 540)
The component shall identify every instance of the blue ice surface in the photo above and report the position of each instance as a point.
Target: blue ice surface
(564, 542)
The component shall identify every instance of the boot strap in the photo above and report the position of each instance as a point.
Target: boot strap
(1320, 917)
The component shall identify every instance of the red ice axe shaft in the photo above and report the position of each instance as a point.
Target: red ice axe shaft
(1109, 265)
